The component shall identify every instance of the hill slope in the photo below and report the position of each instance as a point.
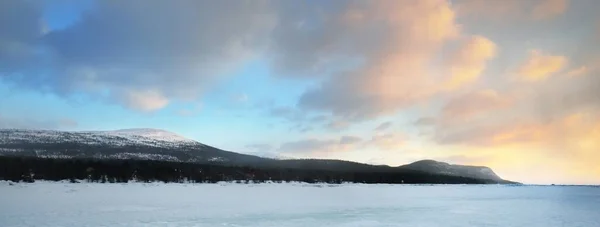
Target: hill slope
(480, 172)
(160, 145)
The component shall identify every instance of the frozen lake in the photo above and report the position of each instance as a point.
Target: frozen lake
(283, 205)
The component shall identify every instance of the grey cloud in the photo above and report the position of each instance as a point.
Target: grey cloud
(20, 30)
(566, 96)
(318, 119)
(338, 125)
(301, 127)
(338, 95)
(123, 46)
(350, 140)
(303, 120)
(383, 126)
(304, 37)
(298, 119)
(425, 121)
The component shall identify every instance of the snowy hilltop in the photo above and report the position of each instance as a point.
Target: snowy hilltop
(123, 137)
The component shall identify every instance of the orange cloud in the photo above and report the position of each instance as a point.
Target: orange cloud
(512, 9)
(549, 8)
(473, 103)
(540, 66)
(564, 150)
(569, 127)
(396, 57)
(578, 71)
(489, 9)
(470, 60)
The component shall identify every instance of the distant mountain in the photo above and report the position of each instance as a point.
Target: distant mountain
(161, 145)
(431, 166)
(147, 144)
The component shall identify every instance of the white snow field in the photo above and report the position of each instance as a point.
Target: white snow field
(295, 204)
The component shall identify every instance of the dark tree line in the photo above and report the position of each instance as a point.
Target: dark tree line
(29, 169)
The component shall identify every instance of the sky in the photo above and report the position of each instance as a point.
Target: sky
(513, 85)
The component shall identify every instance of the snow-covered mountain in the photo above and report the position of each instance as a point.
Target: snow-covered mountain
(161, 145)
(152, 144)
(123, 137)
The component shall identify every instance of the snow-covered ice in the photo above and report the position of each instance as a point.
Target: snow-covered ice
(295, 204)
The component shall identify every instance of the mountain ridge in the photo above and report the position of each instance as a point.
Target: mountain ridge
(162, 145)
(482, 172)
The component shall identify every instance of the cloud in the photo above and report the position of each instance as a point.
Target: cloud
(318, 119)
(486, 135)
(338, 125)
(28, 123)
(473, 103)
(387, 141)
(117, 47)
(350, 140)
(512, 9)
(549, 8)
(578, 71)
(425, 121)
(566, 95)
(488, 9)
(145, 100)
(393, 42)
(469, 61)
(568, 134)
(320, 147)
(259, 147)
(304, 121)
(285, 112)
(383, 126)
(539, 66)
(20, 31)
(326, 147)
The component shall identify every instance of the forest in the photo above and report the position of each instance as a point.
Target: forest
(30, 169)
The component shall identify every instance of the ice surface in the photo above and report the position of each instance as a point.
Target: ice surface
(284, 205)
